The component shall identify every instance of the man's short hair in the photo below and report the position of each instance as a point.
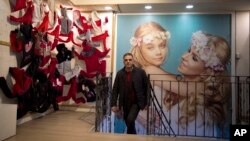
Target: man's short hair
(127, 54)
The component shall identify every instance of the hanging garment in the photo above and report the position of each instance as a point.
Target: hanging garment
(99, 34)
(70, 37)
(33, 66)
(57, 82)
(16, 5)
(55, 32)
(92, 58)
(27, 17)
(5, 88)
(80, 22)
(23, 81)
(102, 38)
(96, 23)
(37, 13)
(26, 30)
(65, 23)
(16, 41)
(86, 87)
(48, 65)
(28, 54)
(63, 53)
(44, 26)
(72, 94)
(41, 96)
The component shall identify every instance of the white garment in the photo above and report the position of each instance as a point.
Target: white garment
(37, 14)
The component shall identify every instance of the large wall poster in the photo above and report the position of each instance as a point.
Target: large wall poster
(180, 26)
(183, 31)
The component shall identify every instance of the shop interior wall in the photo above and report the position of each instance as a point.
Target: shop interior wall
(8, 59)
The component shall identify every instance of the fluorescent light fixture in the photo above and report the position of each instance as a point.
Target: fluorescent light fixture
(108, 8)
(148, 7)
(189, 6)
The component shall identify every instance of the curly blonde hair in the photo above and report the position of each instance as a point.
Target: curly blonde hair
(214, 91)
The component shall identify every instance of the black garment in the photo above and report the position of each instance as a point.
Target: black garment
(130, 115)
(28, 56)
(26, 30)
(5, 88)
(139, 83)
(89, 91)
(137, 86)
(63, 53)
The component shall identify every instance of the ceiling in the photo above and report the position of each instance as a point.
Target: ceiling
(159, 6)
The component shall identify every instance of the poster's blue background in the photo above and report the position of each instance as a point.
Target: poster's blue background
(181, 27)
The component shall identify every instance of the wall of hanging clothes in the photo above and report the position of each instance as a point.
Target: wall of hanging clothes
(59, 51)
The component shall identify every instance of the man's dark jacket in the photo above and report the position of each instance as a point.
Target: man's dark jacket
(139, 82)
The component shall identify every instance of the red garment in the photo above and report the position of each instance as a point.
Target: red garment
(129, 85)
(44, 26)
(80, 22)
(70, 38)
(54, 44)
(16, 44)
(16, 5)
(27, 17)
(101, 37)
(92, 58)
(55, 32)
(23, 81)
(88, 75)
(71, 94)
(48, 65)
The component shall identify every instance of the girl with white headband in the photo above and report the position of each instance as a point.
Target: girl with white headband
(149, 48)
(150, 45)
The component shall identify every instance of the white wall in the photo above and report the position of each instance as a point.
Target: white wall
(242, 43)
(8, 106)
(7, 58)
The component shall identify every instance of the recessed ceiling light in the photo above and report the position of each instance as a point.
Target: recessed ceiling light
(189, 6)
(148, 7)
(108, 8)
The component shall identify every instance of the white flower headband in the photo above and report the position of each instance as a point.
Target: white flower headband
(206, 53)
(148, 38)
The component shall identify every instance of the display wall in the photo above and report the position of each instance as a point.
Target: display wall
(52, 46)
(172, 44)
(8, 59)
